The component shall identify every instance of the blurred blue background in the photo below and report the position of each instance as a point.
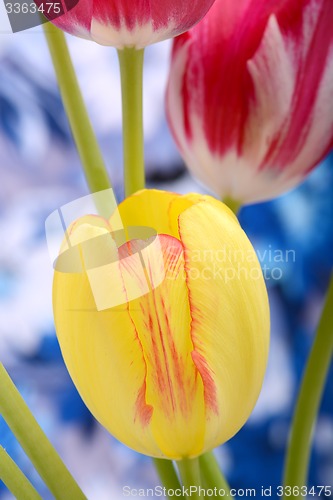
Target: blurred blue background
(40, 171)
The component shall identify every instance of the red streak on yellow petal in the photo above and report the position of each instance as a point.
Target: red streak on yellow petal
(164, 376)
(210, 393)
(208, 382)
(169, 363)
(171, 375)
(143, 412)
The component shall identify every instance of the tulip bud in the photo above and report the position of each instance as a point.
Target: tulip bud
(177, 370)
(250, 95)
(127, 23)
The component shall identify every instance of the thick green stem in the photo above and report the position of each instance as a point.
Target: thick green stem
(15, 480)
(309, 397)
(211, 473)
(34, 442)
(167, 474)
(131, 72)
(189, 469)
(85, 139)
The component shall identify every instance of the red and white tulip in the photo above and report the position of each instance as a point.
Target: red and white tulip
(250, 95)
(128, 23)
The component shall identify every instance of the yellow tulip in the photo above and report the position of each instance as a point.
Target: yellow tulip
(177, 370)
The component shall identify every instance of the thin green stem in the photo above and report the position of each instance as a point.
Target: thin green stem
(34, 442)
(15, 480)
(167, 474)
(190, 475)
(309, 397)
(234, 205)
(211, 473)
(131, 72)
(85, 139)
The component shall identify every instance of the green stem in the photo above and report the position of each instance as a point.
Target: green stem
(15, 480)
(131, 72)
(85, 139)
(167, 474)
(211, 473)
(34, 442)
(234, 205)
(307, 406)
(190, 474)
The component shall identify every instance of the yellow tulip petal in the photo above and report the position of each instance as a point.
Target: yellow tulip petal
(147, 208)
(197, 198)
(153, 208)
(230, 316)
(174, 388)
(103, 354)
(132, 364)
(161, 209)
